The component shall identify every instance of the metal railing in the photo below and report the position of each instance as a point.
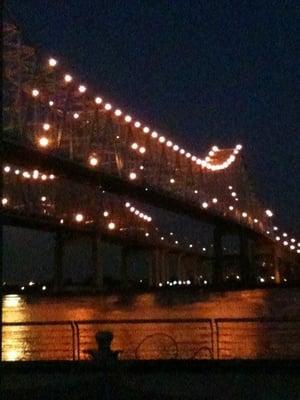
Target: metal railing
(223, 338)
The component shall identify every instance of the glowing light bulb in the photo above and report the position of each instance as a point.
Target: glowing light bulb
(146, 129)
(134, 146)
(194, 158)
(68, 78)
(127, 205)
(132, 209)
(137, 124)
(79, 217)
(6, 169)
(214, 200)
(175, 147)
(98, 100)
(142, 150)
(154, 134)
(188, 155)
(277, 238)
(169, 143)
(105, 214)
(118, 113)
(75, 115)
(211, 153)
(230, 208)
(35, 92)
(93, 161)
(52, 62)
(233, 194)
(255, 221)
(51, 103)
(269, 213)
(52, 176)
(46, 127)
(215, 148)
(127, 118)
(132, 176)
(181, 151)
(4, 201)
(108, 106)
(43, 141)
(111, 226)
(172, 180)
(244, 215)
(239, 147)
(204, 204)
(162, 139)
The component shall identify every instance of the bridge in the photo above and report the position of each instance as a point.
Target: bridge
(76, 164)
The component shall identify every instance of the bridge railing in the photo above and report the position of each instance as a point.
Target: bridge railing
(247, 338)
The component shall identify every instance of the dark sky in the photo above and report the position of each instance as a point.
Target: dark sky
(206, 72)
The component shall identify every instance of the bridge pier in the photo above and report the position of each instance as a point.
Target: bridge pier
(245, 259)
(58, 262)
(125, 250)
(217, 275)
(97, 263)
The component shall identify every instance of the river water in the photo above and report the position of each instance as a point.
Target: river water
(162, 324)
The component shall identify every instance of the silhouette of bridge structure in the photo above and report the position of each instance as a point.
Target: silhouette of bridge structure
(75, 164)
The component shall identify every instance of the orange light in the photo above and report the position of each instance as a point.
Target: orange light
(35, 92)
(79, 217)
(93, 161)
(111, 226)
(68, 78)
(52, 62)
(46, 127)
(43, 141)
(82, 89)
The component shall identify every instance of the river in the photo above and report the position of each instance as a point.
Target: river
(162, 324)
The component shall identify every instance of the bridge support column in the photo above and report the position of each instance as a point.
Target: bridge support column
(245, 259)
(217, 275)
(276, 265)
(124, 266)
(97, 263)
(151, 270)
(58, 262)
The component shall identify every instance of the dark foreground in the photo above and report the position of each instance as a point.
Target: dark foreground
(152, 380)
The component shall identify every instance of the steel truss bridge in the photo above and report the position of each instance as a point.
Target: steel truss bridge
(76, 164)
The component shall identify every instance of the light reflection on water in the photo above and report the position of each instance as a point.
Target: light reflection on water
(144, 340)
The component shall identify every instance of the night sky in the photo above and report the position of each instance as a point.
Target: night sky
(203, 72)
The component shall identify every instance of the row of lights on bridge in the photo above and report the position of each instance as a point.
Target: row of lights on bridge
(79, 217)
(206, 163)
